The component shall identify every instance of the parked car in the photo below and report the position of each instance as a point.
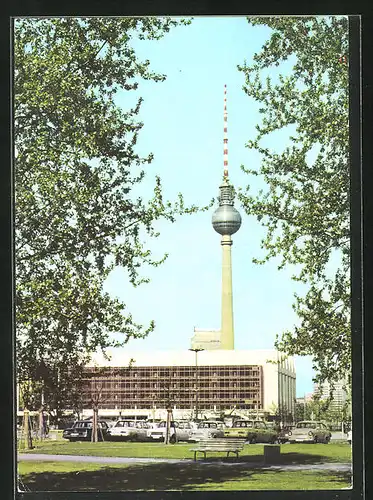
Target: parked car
(255, 431)
(131, 430)
(81, 430)
(184, 430)
(310, 431)
(207, 429)
(179, 431)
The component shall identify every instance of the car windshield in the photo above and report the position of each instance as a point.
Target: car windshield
(243, 424)
(207, 425)
(184, 425)
(163, 424)
(125, 423)
(306, 425)
(82, 425)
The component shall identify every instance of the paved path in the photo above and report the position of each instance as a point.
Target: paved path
(94, 459)
(127, 460)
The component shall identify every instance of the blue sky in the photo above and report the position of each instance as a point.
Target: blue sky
(183, 128)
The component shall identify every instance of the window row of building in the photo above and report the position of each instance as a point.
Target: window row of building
(123, 386)
(173, 372)
(220, 387)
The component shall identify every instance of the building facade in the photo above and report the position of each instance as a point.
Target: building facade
(206, 339)
(339, 393)
(221, 381)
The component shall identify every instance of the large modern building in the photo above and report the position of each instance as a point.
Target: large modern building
(144, 384)
(211, 376)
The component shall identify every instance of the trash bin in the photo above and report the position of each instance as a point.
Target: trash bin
(272, 453)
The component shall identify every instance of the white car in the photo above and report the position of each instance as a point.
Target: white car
(310, 431)
(179, 431)
(208, 429)
(135, 430)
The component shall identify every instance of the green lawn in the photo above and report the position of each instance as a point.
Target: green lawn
(233, 474)
(67, 476)
(290, 453)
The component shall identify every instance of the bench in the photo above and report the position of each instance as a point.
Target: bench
(228, 445)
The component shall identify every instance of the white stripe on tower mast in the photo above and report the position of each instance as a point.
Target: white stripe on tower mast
(225, 153)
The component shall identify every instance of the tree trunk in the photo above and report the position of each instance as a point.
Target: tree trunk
(41, 424)
(168, 425)
(27, 430)
(94, 437)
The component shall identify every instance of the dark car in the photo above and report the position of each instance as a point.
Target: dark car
(284, 434)
(82, 431)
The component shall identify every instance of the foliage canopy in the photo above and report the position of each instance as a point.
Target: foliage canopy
(77, 214)
(305, 209)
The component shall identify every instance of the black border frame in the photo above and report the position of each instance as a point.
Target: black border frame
(359, 200)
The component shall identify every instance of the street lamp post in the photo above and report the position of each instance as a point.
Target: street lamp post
(196, 350)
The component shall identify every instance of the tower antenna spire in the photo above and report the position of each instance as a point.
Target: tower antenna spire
(225, 139)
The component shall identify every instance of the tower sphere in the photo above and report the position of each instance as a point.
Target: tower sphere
(226, 220)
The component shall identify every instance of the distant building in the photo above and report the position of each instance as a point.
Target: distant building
(339, 393)
(305, 399)
(206, 339)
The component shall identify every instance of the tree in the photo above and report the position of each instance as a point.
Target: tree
(78, 213)
(319, 408)
(95, 401)
(305, 208)
(282, 414)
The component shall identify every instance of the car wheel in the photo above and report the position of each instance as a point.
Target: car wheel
(327, 439)
(253, 440)
(173, 439)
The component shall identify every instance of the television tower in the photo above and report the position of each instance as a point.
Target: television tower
(226, 221)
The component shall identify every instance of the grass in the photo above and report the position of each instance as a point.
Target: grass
(268, 480)
(290, 453)
(26, 468)
(233, 474)
(67, 476)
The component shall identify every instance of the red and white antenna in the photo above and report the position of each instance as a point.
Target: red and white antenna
(225, 154)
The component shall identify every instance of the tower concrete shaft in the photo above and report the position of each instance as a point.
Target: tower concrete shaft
(227, 331)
